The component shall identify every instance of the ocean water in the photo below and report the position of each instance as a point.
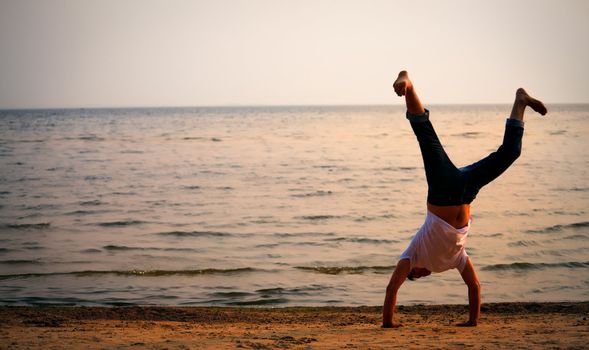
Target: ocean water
(277, 206)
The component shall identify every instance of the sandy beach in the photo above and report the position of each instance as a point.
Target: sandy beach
(503, 326)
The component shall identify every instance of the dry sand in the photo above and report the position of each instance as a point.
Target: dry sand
(503, 326)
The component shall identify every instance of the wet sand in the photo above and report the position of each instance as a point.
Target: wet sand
(503, 325)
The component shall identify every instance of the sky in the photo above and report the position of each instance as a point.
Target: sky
(125, 53)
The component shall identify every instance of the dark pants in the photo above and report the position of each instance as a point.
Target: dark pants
(449, 185)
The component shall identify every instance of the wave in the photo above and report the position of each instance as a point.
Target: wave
(572, 189)
(121, 223)
(305, 290)
(397, 168)
(522, 243)
(195, 234)
(362, 240)
(21, 262)
(575, 237)
(135, 273)
(38, 226)
(313, 194)
(469, 134)
(93, 202)
(90, 137)
(86, 212)
(262, 301)
(91, 250)
(303, 234)
(535, 266)
(337, 270)
(318, 217)
(123, 247)
(557, 228)
(201, 138)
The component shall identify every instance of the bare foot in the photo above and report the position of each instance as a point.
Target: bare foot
(522, 96)
(402, 83)
(467, 324)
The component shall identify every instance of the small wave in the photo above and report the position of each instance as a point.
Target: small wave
(267, 245)
(493, 235)
(193, 187)
(38, 226)
(91, 250)
(313, 194)
(257, 302)
(97, 178)
(337, 270)
(468, 134)
(33, 247)
(522, 243)
(362, 240)
(231, 294)
(90, 138)
(366, 218)
(318, 217)
(201, 138)
(303, 234)
(94, 202)
(123, 247)
(535, 266)
(576, 237)
(572, 189)
(21, 262)
(397, 168)
(307, 243)
(121, 223)
(136, 273)
(195, 234)
(305, 290)
(557, 228)
(86, 212)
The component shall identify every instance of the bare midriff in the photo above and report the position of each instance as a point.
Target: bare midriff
(456, 215)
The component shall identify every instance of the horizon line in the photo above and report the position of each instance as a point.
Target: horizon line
(271, 106)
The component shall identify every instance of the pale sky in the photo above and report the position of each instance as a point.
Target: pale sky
(117, 53)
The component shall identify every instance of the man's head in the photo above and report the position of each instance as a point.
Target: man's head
(418, 272)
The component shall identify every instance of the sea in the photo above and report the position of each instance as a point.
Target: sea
(278, 206)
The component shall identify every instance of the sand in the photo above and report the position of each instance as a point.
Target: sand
(503, 326)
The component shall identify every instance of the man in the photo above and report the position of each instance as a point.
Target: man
(439, 244)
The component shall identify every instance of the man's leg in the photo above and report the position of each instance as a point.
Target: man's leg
(489, 168)
(523, 100)
(404, 87)
(440, 171)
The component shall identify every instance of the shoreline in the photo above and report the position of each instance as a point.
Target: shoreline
(530, 325)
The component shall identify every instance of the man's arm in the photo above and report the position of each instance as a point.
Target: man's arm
(469, 276)
(390, 301)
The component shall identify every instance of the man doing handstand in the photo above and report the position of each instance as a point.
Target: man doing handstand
(439, 244)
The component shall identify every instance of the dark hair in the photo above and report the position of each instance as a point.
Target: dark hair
(410, 275)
